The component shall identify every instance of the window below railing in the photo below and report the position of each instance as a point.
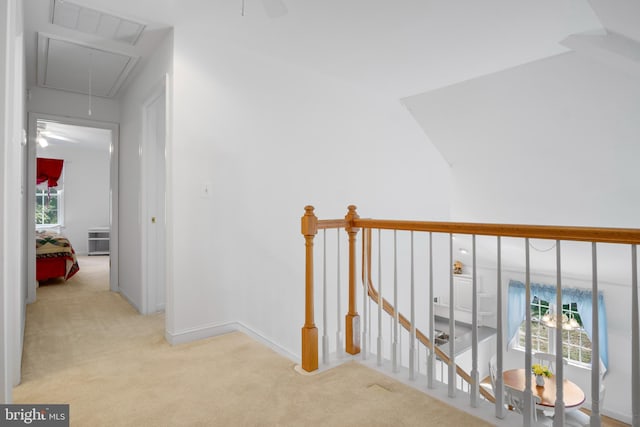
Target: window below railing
(576, 344)
(576, 319)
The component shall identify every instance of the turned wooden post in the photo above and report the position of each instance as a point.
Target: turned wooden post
(309, 331)
(352, 323)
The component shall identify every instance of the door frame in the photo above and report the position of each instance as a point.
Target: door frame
(31, 186)
(149, 303)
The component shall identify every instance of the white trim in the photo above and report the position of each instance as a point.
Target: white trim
(5, 323)
(149, 293)
(169, 314)
(216, 329)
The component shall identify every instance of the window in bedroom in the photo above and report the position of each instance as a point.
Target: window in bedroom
(49, 206)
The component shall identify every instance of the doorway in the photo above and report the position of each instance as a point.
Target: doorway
(153, 212)
(87, 198)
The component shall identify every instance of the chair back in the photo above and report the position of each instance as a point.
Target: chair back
(493, 370)
(516, 400)
(548, 360)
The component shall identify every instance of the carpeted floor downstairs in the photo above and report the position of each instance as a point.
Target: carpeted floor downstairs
(86, 346)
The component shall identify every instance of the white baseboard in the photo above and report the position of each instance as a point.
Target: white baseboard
(617, 416)
(129, 300)
(214, 330)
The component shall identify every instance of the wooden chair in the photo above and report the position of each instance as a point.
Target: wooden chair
(493, 370)
(548, 360)
(516, 400)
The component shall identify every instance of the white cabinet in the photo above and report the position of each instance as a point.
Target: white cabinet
(463, 285)
(99, 241)
(463, 292)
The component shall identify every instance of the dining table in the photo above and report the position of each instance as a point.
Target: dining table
(573, 396)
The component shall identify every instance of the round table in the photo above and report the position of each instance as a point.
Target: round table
(573, 395)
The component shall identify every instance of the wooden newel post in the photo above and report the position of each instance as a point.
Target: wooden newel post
(309, 331)
(352, 322)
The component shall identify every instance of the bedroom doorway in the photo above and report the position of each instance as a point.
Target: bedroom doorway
(153, 215)
(83, 207)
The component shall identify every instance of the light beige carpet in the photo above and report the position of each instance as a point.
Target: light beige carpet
(88, 347)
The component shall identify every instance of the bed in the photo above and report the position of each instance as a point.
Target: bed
(55, 256)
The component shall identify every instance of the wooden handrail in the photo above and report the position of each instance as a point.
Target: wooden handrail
(352, 223)
(406, 324)
(582, 234)
(324, 224)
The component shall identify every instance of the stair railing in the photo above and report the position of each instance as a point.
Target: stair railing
(352, 224)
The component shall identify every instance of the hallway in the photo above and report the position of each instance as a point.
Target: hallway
(88, 347)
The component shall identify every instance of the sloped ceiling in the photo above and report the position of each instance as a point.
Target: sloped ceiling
(552, 141)
(391, 49)
(619, 16)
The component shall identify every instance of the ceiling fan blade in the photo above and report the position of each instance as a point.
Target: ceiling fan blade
(274, 8)
(58, 136)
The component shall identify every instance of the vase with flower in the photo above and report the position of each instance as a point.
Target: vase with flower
(540, 372)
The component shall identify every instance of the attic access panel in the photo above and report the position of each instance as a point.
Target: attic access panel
(69, 66)
(90, 21)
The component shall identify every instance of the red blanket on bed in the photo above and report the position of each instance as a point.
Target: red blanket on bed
(55, 256)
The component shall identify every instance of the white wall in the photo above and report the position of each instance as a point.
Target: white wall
(12, 261)
(550, 142)
(135, 95)
(56, 102)
(86, 189)
(271, 138)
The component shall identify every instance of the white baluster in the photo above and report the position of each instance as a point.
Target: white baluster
(391, 332)
(499, 392)
(339, 343)
(395, 354)
(528, 410)
(474, 330)
(369, 321)
(595, 342)
(635, 341)
(452, 303)
(558, 418)
(399, 347)
(379, 300)
(412, 337)
(325, 337)
(365, 277)
(418, 357)
(431, 354)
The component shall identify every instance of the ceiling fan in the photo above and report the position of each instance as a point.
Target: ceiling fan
(273, 8)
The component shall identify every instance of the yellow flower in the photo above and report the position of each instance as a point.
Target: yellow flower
(541, 370)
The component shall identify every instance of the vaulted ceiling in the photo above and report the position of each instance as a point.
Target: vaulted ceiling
(395, 49)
